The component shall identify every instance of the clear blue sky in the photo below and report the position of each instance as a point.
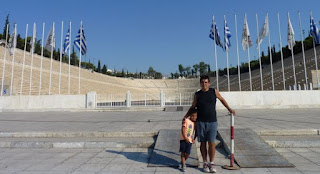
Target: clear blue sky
(136, 34)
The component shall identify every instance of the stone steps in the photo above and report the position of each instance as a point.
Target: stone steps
(77, 139)
(87, 143)
(307, 141)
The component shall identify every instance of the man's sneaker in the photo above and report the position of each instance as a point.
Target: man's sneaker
(206, 168)
(184, 168)
(212, 168)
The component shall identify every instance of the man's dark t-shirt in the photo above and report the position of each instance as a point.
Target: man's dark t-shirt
(206, 105)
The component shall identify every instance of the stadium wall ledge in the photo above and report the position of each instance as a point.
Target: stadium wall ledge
(236, 100)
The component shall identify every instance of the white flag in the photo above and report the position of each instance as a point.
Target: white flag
(246, 41)
(33, 40)
(264, 30)
(291, 41)
(51, 41)
(13, 40)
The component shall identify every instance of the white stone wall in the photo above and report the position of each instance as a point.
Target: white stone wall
(43, 102)
(236, 100)
(271, 99)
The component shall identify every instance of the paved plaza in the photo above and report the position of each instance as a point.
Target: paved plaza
(135, 160)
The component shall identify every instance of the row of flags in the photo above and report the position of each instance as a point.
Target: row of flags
(80, 41)
(246, 39)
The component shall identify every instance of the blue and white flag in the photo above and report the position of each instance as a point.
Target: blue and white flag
(80, 41)
(66, 45)
(214, 33)
(314, 31)
(227, 36)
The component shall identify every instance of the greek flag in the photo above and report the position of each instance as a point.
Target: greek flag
(314, 31)
(227, 36)
(214, 33)
(67, 41)
(80, 41)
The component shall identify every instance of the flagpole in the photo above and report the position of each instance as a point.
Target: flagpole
(249, 69)
(228, 71)
(60, 56)
(43, 25)
(293, 64)
(270, 54)
(283, 76)
(24, 59)
(14, 48)
(315, 59)
(80, 54)
(248, 45)
(217, 71)
(69, 56)
(294, 70)
(4, 59)
(215, 54)
(261, 80)
(32, 47)
(51, 58)
(235, 21)
(304, 57)
(225, 38)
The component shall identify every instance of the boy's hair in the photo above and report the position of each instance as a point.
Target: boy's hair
(204, 77)
(192, 111)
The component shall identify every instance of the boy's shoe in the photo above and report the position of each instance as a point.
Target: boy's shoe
(184, 168)
(206, 168)
(212, 168)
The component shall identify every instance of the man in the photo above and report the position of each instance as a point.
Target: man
(207, 125)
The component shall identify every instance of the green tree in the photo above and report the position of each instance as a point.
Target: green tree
(122, 73)
(195, 68)
(104, 69)
(5, 28)
(181, 69)
(202, 68)
(99, 67)
(151, 72)
(188, 70)
(158, 75)
(37, 47)
(73, 57)
(20, 42)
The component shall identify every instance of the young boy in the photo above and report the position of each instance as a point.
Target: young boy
(186, 137)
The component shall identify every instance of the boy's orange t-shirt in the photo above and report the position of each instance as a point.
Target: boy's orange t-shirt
(189, 131)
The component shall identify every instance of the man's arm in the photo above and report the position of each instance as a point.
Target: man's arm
(194, 104)
(224, 102)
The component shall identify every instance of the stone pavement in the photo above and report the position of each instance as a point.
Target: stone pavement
(132, 160)
(135, 160)
(153, 121)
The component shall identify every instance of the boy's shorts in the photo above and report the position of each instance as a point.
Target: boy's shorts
(185, 147)
(207, 131)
